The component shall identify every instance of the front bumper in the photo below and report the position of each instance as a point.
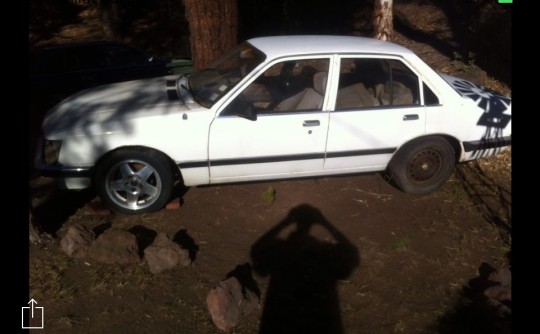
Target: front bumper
(67, 177)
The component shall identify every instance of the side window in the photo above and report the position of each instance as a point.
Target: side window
(120, 55)
(47, 62)
(430, 99)
(372, 82)
(297, 85)
(90, 57)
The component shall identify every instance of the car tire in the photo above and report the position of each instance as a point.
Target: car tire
(422, 166)
(134, 180)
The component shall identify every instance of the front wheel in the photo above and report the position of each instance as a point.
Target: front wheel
(422, 166)
(133, 181)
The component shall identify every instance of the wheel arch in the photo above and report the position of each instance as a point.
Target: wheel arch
(174, 167)
(452, 141)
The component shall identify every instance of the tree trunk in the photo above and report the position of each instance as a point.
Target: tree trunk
(213, 27)
(110, 18)
(383, 28)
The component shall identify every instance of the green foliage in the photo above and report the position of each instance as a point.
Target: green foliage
(401, 242)
(466, 64)
(269, 195)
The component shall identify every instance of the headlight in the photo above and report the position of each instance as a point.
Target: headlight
(51, 151)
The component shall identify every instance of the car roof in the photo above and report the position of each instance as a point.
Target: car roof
(281, 46)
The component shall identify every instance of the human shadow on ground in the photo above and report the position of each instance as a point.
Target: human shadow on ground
(304, 271)
(484, 306)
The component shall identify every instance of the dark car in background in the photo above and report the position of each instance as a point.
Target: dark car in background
(61, 70)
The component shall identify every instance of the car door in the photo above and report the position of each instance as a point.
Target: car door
(274, 127)
(378, 107)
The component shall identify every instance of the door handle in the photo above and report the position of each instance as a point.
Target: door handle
(410, 117)
(311, 123)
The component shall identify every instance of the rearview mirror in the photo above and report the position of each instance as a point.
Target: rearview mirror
(240, 108)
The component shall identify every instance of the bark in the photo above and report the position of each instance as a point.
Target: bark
(110, 18)
(213, 26)
(383, 27)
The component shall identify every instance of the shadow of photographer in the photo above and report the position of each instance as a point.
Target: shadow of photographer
(304, 271)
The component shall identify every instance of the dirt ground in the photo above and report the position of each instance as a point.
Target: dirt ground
(376, 260)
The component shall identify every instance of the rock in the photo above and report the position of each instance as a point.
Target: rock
(77, 241)
(115, 246)
(499, 296)
(502, 276)
(229, 302)
(165, 254)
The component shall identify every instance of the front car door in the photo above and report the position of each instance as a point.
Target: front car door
(286, 133)
(378, 107)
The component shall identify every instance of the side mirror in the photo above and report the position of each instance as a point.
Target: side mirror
(240, 108)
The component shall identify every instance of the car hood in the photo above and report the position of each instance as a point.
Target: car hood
(114, 103)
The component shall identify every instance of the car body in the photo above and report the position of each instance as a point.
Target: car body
(58, 71)
(274, 108)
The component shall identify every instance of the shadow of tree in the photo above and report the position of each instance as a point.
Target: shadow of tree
(491, 199)
(304, 272)
(53, 213)
(481, 27)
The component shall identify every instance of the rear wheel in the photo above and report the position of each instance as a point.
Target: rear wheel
(422, 166)
(134, 180)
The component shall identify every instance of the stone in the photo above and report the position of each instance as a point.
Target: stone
(115, 246)
(229, 302)
(77, 241)
(165, 254)
(502, 276)
(499, 296)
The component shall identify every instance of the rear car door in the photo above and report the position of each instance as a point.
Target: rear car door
(378, 107)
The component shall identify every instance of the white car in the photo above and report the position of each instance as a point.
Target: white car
(274, 108)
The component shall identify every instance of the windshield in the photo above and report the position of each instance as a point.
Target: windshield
(210, 84)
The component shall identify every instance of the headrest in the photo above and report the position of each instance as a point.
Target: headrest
(319, 82)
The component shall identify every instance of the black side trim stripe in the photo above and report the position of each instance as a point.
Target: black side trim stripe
(194, 164)
(280, 158)
(389, 150)
(247, 161)
(485, 144)
(283, 158)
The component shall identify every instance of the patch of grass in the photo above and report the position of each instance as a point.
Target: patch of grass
(108, 278)
(47, 278)
(400, 327)
(269, 195)
(465, 64)
(68, 321)
(401, 243)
